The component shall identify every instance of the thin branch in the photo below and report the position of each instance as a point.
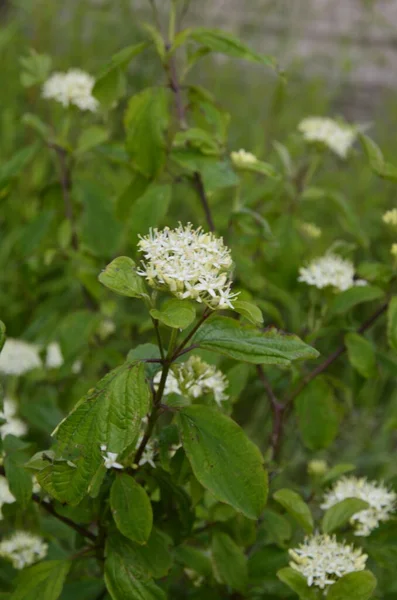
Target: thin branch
(199, 187)
(187, 339)
(278, 410)
(158, 336)
(51, 510)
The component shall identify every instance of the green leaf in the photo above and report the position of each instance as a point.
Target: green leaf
(19, 480)
(15, 165)
(336, 471)
(361, 354)
(276, 526)
(127, 574)
(149, 210)
(197, 138)
(353, 586)
(249, 310)
(33, 121)
(260, 167)
(392, 323)
(317, 414)
(297, 582)
(134, 190)
(340, 514)
(175, 313)
(110, 84)
(131, 508)
(109, 415)
(33, 234)
(379, 166)
(223, 459)
(121, 277)
(100, 229)
(75, 330)
(156, 38)
(194, 559)
(44, 580)
(36, 68)
(2, 335)
(227, 336)
(353, 296)
(296, 507)
(146, 120)
(226, 43)
(90, 138)
(230, 564)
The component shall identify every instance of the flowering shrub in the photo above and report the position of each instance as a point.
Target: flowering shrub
(199, 344)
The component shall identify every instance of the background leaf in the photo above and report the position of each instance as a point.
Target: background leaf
(131, 508)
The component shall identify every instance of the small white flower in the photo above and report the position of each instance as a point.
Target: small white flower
(310, 230)
(54, 358)
(23, 549)
(360, 282)
(338, 137)
(73, 87)
(13, 425)
(242, 158)
(188, 263)
(19, 357)
(150, 450)
(328, 271)
(110, 458)
(390, 217)
(381, 500)
(193, 379)
(5, 495)
(322, 560)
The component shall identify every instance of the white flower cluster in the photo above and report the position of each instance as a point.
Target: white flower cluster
(310, 230)
(381, 500)
(110, 458)
(23, 549)
(330, 270)
(193, 379)
(13, 425)
(242, 158)
(188, 263)
(19, 357)
(5, 495)
(73, 87)
(338, 137)
(390, 217)
(322, 560)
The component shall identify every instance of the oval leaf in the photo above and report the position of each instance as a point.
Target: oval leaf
(296, 507)
(361, 354)
(353, 586)
(175, 313)
(248, 310)
(223, 459)
(44, 580)
(131, 508)
(230, 564)
(121, 277)
(298, 584)
(353, 296)
(340, 514)
(317, 415)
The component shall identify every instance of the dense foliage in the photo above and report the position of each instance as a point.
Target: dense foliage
(199, 341)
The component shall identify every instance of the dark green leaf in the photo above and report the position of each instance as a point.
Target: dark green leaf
(361, 354)
(175, 313)
(296, 507)
(20, 481)
(15, 165)
(100, 230)
(340, 514)
(121, 277)
(317, 414)
(223, 459)
(298, 584)
(90, 138)
(353, 586)
(131, 508)
(44, 580)
(2, 335)
(276, 526)
(149, 210)
(355, 295)
(229, 337)
(249, 310)
(230, 564)
(392, 323)
(194, 559)
(145, 122)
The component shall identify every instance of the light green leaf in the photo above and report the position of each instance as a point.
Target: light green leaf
(230, 564)
(340, 514)
(110, 83)
(146, 120)
(131, 508)
(353, 586)
(379, 166)
(2, 335)
(36, 68)
(392, 323)
(296, 507)
(44, 580)
(361, 354)
(298, 584)
(111, 415)
(90, 138)
(260, 167)
(33, 121)
(317, 414)
(353, 296)
(156, 38)
(226, 43)
(227, 336)
(175, 313)
(223, 459)
(121, 277)
(249, 310)
(197, 138)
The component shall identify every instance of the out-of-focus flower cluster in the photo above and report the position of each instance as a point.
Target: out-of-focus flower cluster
(188, 263)
(330, 270)
(74, 87)
(242, 158)
(338, 137)
(195, 378)
(381, 500)
(310, 230)
(13, 425)
(390, 217)
(5, 495)
(23, 549)
(322, 560)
